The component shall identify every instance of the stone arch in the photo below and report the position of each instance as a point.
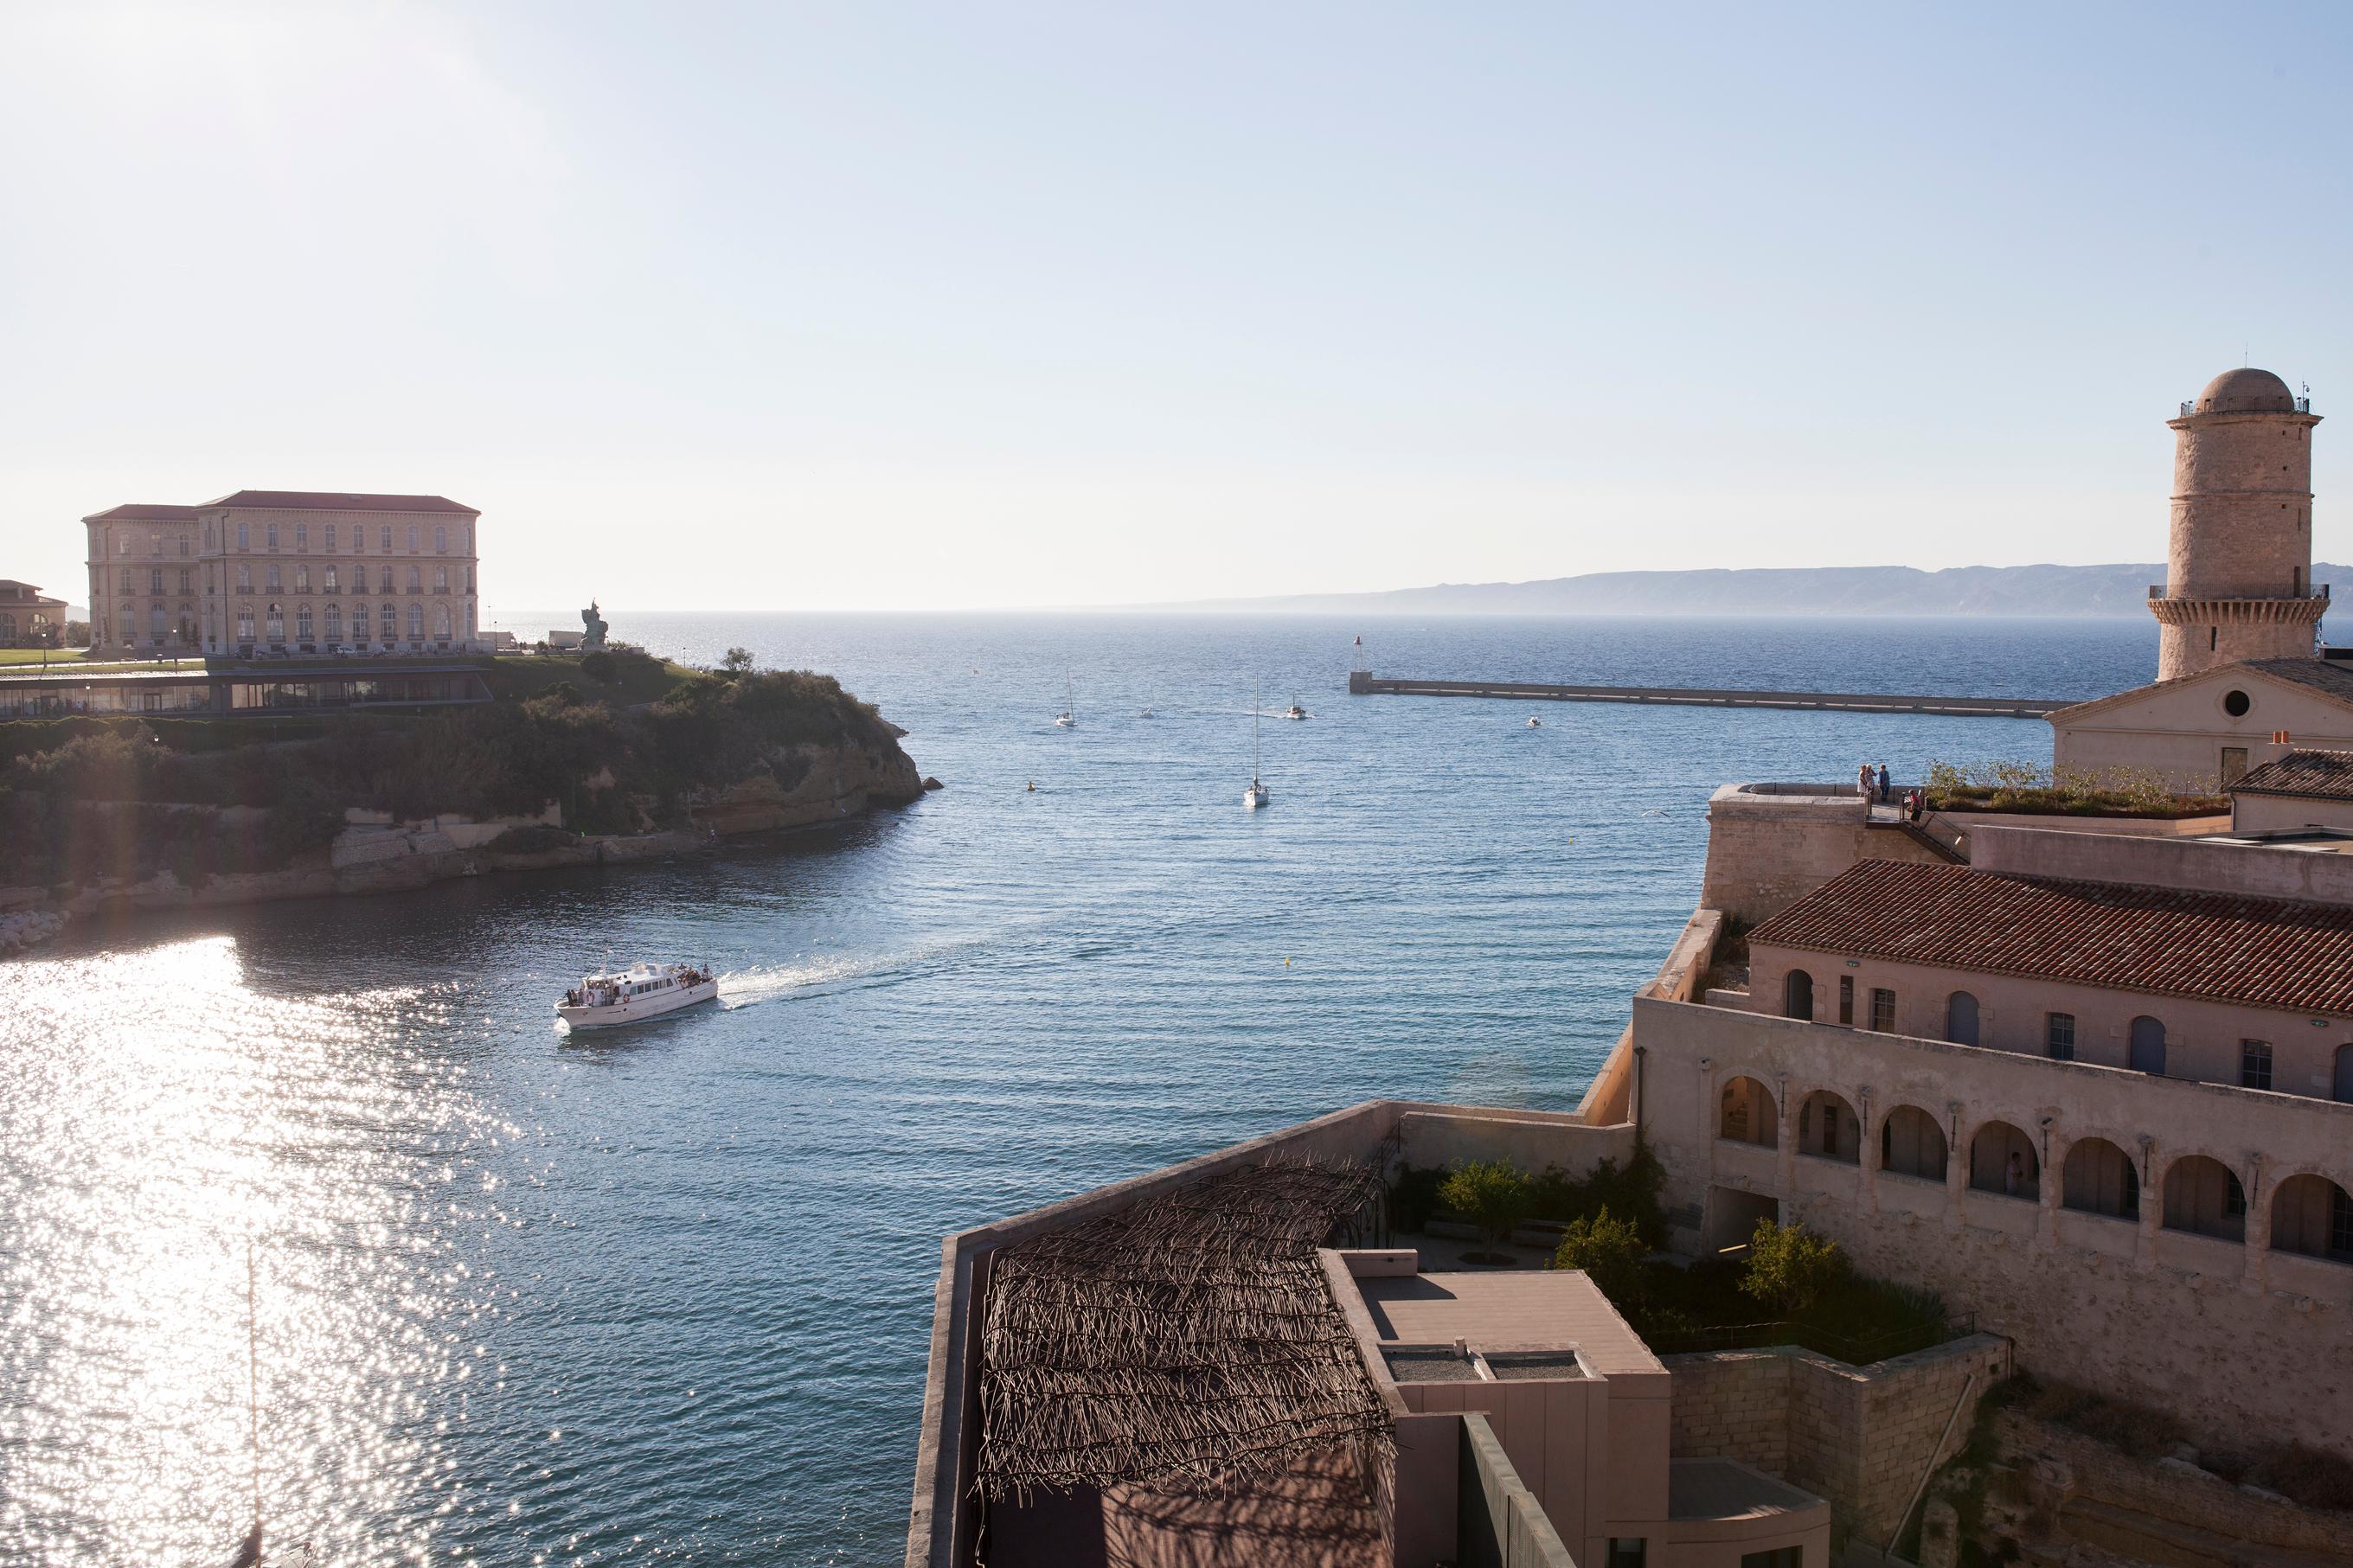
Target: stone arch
(1797, 995)
(2203, 1196)
(1961, 1019)
(2312, 1216)
(2002, 1160)
(1828, 1127)
(1912, 1143)
(2101, 1178)
(1746, 1114)
(2148, 1046)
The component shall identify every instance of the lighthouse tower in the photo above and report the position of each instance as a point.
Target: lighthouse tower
(2238, 577)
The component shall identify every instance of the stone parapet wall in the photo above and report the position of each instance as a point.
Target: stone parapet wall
(1861, 1437)
(1767, 850)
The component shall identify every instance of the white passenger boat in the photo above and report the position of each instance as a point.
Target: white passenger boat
(640, 992)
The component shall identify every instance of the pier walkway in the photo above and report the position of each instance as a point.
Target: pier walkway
(1364, 683)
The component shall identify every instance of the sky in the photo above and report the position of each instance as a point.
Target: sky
(876, 306)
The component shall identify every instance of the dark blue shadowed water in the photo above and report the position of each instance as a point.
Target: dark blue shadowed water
(668, 1295)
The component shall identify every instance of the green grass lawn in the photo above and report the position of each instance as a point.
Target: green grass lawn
(14, 659)
(519, 677)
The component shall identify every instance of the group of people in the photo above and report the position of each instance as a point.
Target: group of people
(1874, 785)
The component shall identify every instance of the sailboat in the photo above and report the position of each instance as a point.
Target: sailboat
(1256, 794)
(1295, 711)
(1068, 719)
(249, 1552)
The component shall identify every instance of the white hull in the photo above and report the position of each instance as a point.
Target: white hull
(1254, 796)
(637, 1009)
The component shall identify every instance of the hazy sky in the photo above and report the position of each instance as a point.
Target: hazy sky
(876, 306)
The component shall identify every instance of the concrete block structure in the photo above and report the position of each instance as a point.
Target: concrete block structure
(285, 573)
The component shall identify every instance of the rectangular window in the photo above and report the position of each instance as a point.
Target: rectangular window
(303, 576)
(1779, 1557)
(384, 538)
(2340, 1225)
(2254, 1064)
(330, 536)
(274, 580)
(2058, 1036)
(1882, 1014)
(270, 535)
(244, 578)
(154, 579)
(1846, 999)
(301, 536)
(440, 579)
(2234, 764)
(412, 539)
(184, 579)
(1624, 1554)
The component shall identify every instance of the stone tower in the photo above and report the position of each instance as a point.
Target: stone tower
(2238, 576)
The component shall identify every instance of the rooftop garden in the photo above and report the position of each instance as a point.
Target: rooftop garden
(2031, 789)
(1787, 1286)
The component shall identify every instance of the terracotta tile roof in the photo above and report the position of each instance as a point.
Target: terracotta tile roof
(2326, 775)
(2264, 952)
(331, 500)
(143, 511)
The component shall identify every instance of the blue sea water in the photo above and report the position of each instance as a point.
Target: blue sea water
(667, 1295)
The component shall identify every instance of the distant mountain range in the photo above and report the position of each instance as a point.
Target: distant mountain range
(2120, 590)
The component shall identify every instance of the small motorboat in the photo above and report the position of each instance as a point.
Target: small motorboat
(1535, 722)
(640, 992)
(1296, 711)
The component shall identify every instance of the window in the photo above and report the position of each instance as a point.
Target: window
(126, 580)
(244, 541)
(1779, 1557)
(128, 621)
(184, 545)
(2340, 1223)
(154, 579)
(123, 544)
(2234, 764)
(301, 623)
(440, 539)
(384, 538)
(1883, 1012)
(334, 623)
(412, 539)
(470, 617)
(1626, 1553)
(331, 585)
(156, 623)
(441, 622)
(2254, 1064)
(154, 544)
(2236, 703)
(185, 583)
(465, 538)
(301, 536)
(470, 579)
(440, 579)
(244, 578)
(1846, 999)
(388, 622)
(330, 536)
(302, 577)
(383, 579)
(1797, 995)
(2058, 1036)
(416, 579)
(270, 535)
(417, 622)
(359, 539)
(272, 578)
(245, 623)
(277, 623)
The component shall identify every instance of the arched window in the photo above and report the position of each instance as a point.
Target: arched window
(1961, 1019)
(1912, 1143)
(302, 623)
(1747, 1114)
(441, 622)
(1829, 1129)
(1797, 996)
(2314, 1216)
(387, 623)
(277, 623)
(2203, 1195)
(245, 623)
(334, 623)
(2101, 1179)
(417, 622)
(2001, 1160)
(2147, 1047)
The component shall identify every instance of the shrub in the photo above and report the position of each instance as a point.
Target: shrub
(1492, 1194)
(1631, 1191)
(1610, 1251)
(737, 661)
(1790, 1268)
(599, 666)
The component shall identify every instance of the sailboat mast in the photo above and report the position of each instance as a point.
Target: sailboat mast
(253, 1381)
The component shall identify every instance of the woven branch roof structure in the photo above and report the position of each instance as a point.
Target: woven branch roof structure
(1188, 1343)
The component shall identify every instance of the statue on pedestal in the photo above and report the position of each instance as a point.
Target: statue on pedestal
(596, 624)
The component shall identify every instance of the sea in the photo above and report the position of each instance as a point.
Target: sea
(328, 1175)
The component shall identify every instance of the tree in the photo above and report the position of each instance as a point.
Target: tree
(1610, 1251)
(598, 667)
(737, 661)
(1494, 1195)
(1790, 1268)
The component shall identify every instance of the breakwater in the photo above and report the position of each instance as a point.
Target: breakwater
(1364, 683)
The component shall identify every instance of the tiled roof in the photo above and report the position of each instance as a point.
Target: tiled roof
(2265, 953)
(2326, 775)
(331, 500)
(15, 592)
(143, 511)
(2331, 678)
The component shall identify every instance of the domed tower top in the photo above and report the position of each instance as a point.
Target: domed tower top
(2245, 391)
(2238, 579)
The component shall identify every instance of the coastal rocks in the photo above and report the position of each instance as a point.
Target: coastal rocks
(808, 785)
(931, 783)
(27, 927)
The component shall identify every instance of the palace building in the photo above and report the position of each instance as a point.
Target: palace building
(288, 573)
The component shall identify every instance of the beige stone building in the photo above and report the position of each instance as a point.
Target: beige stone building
(28, 617)
(261, 574)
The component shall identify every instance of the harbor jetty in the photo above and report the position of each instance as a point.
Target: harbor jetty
(1365, 683)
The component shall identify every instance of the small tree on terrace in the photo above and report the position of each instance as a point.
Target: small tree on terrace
(1790, 1268)
(1492, 1194)
(1610, 1251)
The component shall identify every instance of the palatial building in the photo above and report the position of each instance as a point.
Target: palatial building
(257, 573)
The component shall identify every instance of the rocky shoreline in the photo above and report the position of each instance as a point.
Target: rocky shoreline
(834, 784)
